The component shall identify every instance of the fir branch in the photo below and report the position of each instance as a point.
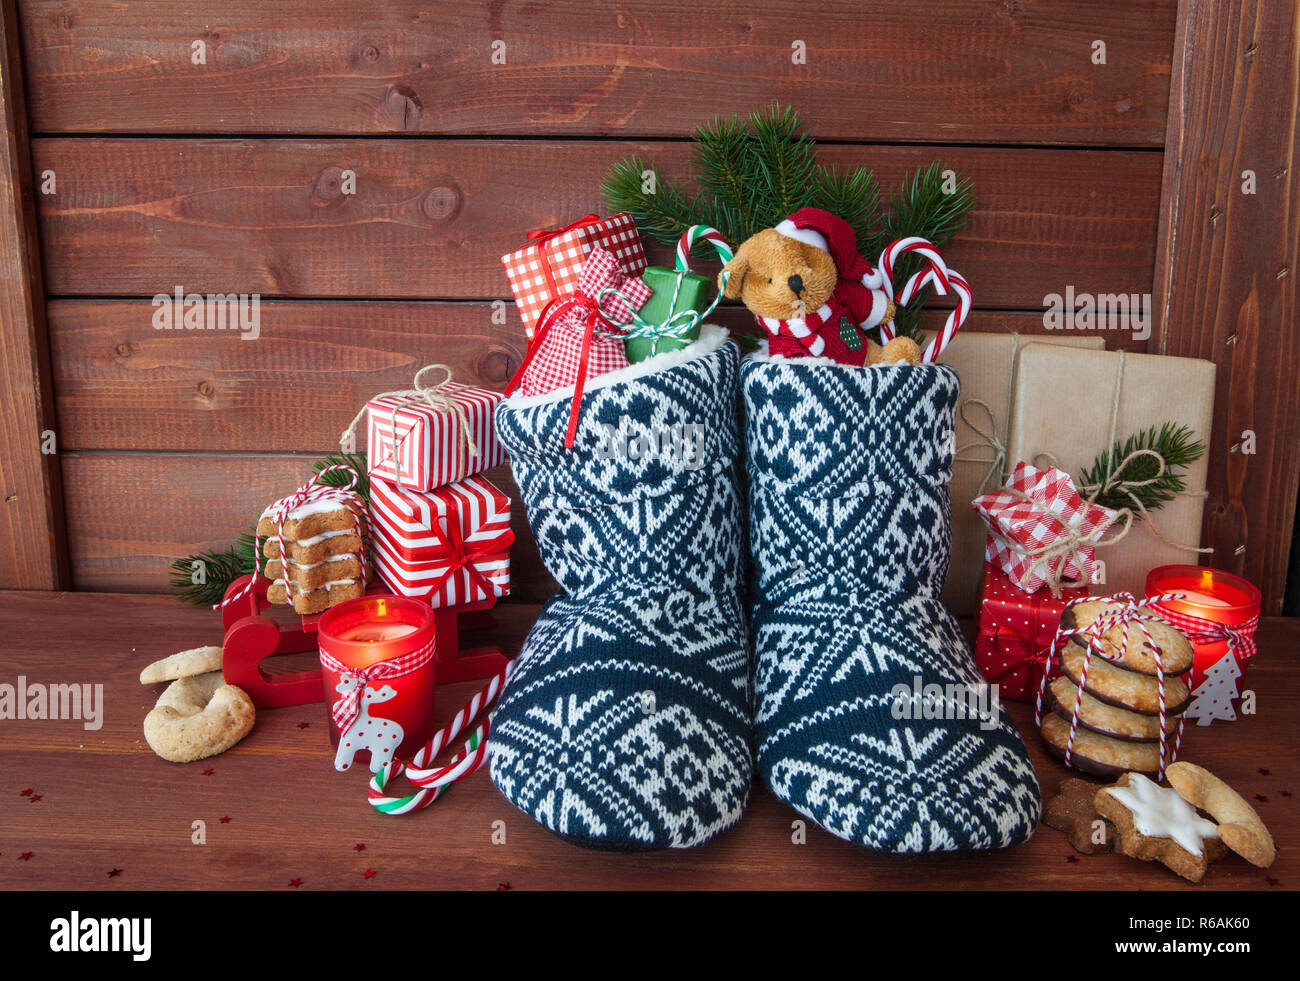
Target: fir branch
(357, 461)
(785, 159)
(1112, 479)
(724, 166)
(854, 196)
(663, 215)
(202, 579)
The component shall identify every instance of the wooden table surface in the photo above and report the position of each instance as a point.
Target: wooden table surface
(276, 812)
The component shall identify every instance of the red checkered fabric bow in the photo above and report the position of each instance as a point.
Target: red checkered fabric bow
(578, 335)
(1240, 637)
(345, 711)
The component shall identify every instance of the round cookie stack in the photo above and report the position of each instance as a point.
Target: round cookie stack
(1117, 727)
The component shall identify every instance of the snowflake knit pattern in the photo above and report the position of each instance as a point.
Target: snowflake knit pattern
(850, 529)
(627, 721)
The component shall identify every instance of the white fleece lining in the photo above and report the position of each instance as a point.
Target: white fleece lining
(762, 355)
(711, 338)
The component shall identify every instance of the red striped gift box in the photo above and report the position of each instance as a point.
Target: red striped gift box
(421, 447)
(450, 545)
(549, 266)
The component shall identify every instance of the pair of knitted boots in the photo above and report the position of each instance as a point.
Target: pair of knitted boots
(666, 667)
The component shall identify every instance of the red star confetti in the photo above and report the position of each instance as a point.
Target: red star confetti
(368, 874)
(226, 819)
(1263, 772)
(26, 856)
(1071, 858)
(295, 883)
(1261, 798)
(35, 797)
(1286, 793)
(303, 725)
(503, 887)
(1271, 881)
(114, 873)
(208, 772)
(358, 847)
(26, 793)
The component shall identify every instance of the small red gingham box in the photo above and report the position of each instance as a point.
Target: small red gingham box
(550, 265)
(1036, 509)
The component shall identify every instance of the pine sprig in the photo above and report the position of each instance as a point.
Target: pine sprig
(755, 173)
(203, 578)
(1113, 479)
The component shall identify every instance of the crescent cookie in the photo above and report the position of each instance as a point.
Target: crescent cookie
(1124, 689)
(1240, 826)
(1100, 755)
(198, 717)
(1108, 720)
(184, 664)
(1173, 646)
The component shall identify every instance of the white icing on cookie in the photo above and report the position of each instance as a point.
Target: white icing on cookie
(332, 558)
(317, 539)
(1161, 812)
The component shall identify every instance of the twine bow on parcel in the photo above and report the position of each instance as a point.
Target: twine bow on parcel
(432, 394)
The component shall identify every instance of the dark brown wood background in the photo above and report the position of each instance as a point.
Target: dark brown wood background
(224, 177)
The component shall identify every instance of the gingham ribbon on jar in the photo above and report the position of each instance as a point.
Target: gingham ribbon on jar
(314, 491)
(346, 709)
(1240, 637)
(1127, 612)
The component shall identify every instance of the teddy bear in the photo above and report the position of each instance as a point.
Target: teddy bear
(801, 277)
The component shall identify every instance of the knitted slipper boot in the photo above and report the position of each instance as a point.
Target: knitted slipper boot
(850, 528)
(627, 721)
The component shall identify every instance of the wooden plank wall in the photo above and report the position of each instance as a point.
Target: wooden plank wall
(225, 177)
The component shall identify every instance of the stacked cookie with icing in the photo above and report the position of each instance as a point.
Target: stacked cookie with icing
(1117, 720)
(323, 561)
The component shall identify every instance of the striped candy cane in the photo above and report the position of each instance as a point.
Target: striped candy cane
(936, 274)
(433, 781)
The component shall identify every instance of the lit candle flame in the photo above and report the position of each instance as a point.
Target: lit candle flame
(383, 607)
(1207, 579)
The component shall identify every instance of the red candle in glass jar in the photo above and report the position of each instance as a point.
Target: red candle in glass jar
(377, 666)
(1224, 600)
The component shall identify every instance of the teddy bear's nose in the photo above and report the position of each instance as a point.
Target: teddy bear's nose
(796, 284)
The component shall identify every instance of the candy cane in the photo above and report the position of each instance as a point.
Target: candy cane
(936, 274)
(432, 782)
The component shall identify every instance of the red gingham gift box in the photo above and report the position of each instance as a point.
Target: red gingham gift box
(419, 446)
(559, 347)
(1016, 629)
(1054, 510)
(450, 545)
(551, 265)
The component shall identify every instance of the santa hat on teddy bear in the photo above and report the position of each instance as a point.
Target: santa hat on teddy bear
(832, 234)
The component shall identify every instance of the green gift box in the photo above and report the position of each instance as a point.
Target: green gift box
(693, 294)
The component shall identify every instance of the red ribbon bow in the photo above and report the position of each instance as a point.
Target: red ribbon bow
(543, 238)
(460, 555)
(345, 711)
(1019, 652)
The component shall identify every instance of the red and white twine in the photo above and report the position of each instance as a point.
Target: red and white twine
(314, 491)
(1128, 611)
